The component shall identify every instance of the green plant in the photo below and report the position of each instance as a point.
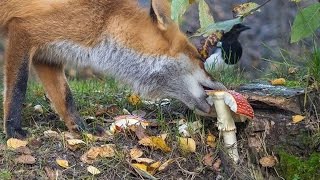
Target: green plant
(306, 23)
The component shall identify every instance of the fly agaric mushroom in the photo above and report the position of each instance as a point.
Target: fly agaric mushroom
(225, 102)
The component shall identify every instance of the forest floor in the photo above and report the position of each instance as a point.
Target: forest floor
(291, 148)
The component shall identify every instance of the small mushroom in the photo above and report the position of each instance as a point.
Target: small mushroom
(226, 102)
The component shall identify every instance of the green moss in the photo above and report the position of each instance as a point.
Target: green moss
(4, 174)
(292, 167)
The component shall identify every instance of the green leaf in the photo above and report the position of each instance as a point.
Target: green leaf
(219, 26)
(178, 8)
(306, 22)
(205, 17)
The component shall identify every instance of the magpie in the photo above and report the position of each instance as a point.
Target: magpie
(228, 50)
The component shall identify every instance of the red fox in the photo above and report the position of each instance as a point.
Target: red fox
(145, 50)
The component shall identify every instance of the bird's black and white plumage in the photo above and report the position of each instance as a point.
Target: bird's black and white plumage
(228, 51)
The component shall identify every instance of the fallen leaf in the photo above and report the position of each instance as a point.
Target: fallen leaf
(93, 170)
(277, 82)
(25, 159)
(107, 150)
(155, 165)
(140, 132)
(208, 159)
(163, 136)
(51, 134)
(217, 165)
(84, 158)
(187, 145)
(165, 164)
(139, 113)
(135, 153)
(23, 150)
(134, 99)
(13, 143)
(3, 147)
(63, 163)
(123, 122)
(297, 118)
(93, 153)
(187, 129)
(142, 170)
(69, 135)
(110, 110)
(52, 175)
(244, 9)
(74, 144)
(107, 136)
(211, 140)
(155, 142)
(144, 160)
(268, 161)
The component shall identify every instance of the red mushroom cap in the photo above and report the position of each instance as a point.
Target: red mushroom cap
(240, 105)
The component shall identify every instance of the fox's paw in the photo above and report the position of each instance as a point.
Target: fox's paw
(18, 133)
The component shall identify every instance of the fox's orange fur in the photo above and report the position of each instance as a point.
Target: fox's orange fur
(48, 33)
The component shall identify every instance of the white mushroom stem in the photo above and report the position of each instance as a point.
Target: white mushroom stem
(226, 125)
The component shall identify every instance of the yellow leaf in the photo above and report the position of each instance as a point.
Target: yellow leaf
(165, 164)
(187, 145)
(90, 137)
(63, 163)
(135, 153)
(297, 118)
(107, 150)
(142, 169)
(244, 9)
(13, 143)
(155, 142)
(276, 82)
(93, 170)
(134, 99)
(73, 142)
(211, 140)
(153, 167)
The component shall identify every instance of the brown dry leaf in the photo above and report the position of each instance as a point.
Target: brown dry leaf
(13, 143)
(134, 99)
(93, 152)
(211, 140)
(278, 82)
(107, 150)
(217, 165)
(244, 9)
(52, 175)
(74, 144)
(165, 164)
(155, 165)
(135, 153)
(69, 135)
(84, 158)
(268, 161)
(187, 145)
(25, 159)
(297, 118)
(142, 170)
(110, 110)
(155, 142)
(140, 132)
(24, 150)
(62, 163)
(208, 159)
(51, 134)
(144, 160)
(93, 170)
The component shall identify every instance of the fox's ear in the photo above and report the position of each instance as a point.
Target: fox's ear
(160, 12)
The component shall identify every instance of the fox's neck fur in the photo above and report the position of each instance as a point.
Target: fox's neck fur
(125, 64)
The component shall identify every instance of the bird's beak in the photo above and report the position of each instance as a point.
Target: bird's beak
(243, 28)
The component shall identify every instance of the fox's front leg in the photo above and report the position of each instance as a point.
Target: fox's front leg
(16, 70)
(56, 86)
